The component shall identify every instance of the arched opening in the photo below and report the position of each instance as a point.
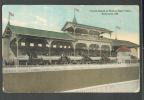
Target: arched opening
(59, 48)
(93, 50)
(81, 49)
(80, 31)
(34, 47)
(95, 33)
(105, 50)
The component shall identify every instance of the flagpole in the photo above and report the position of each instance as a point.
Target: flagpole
(17, 53)
(116, 32)
(74, 12)
(9, 18)
(10, 14)
(74, 32)
(115, 36)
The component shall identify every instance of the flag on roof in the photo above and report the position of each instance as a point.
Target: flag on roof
(76, 9)
(123, 49)
(11, 14)
(117, 27)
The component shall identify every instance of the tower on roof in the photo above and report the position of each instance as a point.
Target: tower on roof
(117, 28)
(74, 19)
(9, 15)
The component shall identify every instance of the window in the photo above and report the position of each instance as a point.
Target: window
(22, 44)
(54, 46)
(83, 47)
(65, 46)
(60, 46)
(31, 44)
(105, 47)
(40, 45)
(125, 53)
(47, 45)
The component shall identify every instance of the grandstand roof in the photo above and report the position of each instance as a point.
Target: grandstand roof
(123, 49)
(58, 35)
(104, 30)
(39, 33)
(123, 42)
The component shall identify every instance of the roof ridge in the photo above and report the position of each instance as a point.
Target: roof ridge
(39, 32)
(36, 29)
(90, 26)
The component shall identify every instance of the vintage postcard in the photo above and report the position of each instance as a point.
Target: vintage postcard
(70, 48)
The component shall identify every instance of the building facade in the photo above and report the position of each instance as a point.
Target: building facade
(77, 43)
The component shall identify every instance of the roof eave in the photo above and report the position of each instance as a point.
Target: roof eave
(63, 28)
(46, 37)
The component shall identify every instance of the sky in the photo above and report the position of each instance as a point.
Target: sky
(53, 18)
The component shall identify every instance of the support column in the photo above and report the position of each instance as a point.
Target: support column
(88, 31)
(74, 46)
(136, 52)
(88, 48)
(8, 49)
(100, 45)
(49, 42)
(17, 40)
(110, 50)
(74, 28)
(88, 51)
(100, 50)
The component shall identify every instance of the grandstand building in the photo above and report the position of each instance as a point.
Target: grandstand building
(77, 43)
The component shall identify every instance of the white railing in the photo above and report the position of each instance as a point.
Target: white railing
(126, 86)
(75, 57)
(22, 57)
(49, 57)
(95, 58)
(92, 38)
(112, 58)
(39, 68)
